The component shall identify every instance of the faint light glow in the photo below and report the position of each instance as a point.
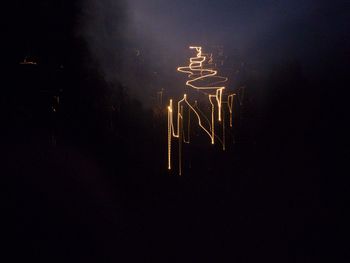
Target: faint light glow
(160, 97)
(199, 79)
(27, 61)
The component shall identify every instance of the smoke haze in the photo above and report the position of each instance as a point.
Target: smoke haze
(140, 43)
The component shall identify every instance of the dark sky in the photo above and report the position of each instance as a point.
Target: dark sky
(261, 32)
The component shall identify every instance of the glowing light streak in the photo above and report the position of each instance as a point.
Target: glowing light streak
(28, 62)
(198, 75)
(230, 106)
(169, 133)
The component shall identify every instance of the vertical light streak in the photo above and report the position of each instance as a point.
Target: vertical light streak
(230, 106)
(170, 113)
(218, 98)
(212, 120)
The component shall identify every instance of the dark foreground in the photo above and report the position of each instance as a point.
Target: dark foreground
(96, 194)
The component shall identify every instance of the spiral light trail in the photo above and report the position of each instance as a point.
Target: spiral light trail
(199, 77)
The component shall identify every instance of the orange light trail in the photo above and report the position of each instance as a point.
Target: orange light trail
(230, 106)
(197, 75)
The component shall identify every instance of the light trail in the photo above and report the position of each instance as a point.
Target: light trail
(199, 77)
(230, 106)
(196, 74)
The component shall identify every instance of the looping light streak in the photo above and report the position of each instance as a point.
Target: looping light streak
(198, 80)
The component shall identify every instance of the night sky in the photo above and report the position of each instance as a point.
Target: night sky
(262, 32)
(84, 139)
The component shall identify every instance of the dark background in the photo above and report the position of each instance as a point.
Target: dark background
(88, 181)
